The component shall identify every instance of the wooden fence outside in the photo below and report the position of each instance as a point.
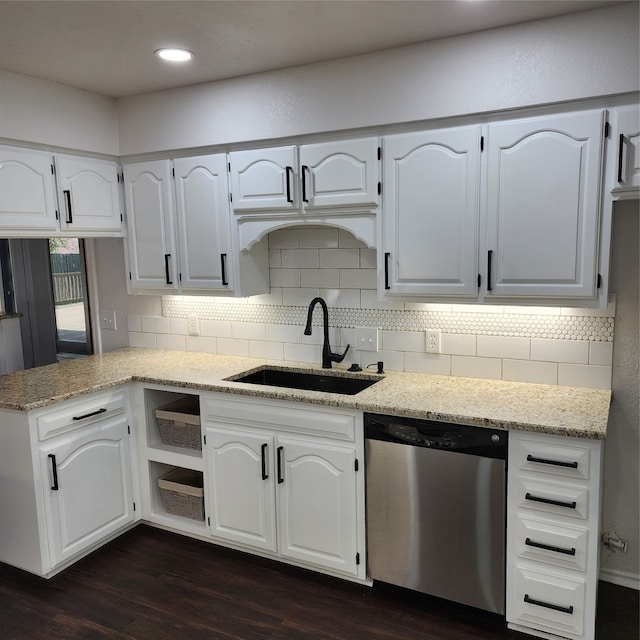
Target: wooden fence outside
(67, 287)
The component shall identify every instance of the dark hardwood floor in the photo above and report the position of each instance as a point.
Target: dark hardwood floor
(150, 584)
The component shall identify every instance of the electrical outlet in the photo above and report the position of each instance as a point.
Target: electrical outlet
(193, 325)
(434, 341)
(366, 338)
(108, 320)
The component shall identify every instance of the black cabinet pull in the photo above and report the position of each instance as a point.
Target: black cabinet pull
(489, 261)
(548, 547)
(67, 197)
(166, 268)
(263, 455)
(547, 605)
(54, 471)
(223, 265)
(289, 171)
(557, 503)
(386, 270)
(620, 152)
(305, 170)
(279, 458)
(88, 415)
(557, 463)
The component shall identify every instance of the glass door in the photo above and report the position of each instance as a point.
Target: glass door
(69, 280)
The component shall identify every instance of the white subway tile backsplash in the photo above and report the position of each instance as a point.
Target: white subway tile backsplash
(368, 259)
(233, 347)
(369, 300)
(341, 298)
(156, 324)
(171, 342)
(300, 259)
(284, 239)
(299, 297)
(275, 259)
(601, 353)
(266, 350)
(274, 297)
(318, 238)
(323, 278)
(471, 367)
(302, 352)
(347, 241)
(283, 332)
(340, 258)
(427, 306)
(202, 344)
(248, 330)
(134, 323)
(436, 364)
(530, 371)
(458, 344)
(179, 326)
(216, 328)
(284, 277)
(573, 351)
(578, 375)
(142, 340)
(503, 347)
(393, 360)
(357, 279)
(403, 341)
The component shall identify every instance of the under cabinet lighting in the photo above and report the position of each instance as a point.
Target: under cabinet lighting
(174, 55)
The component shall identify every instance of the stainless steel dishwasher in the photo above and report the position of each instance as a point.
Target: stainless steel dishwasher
(436, 508)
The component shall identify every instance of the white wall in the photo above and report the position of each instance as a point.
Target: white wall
(47, 113)
(583, 55)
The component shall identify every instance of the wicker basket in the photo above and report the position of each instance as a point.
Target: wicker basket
(179, 423)
(182, 493)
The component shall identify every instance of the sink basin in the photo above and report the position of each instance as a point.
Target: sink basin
(291, 379)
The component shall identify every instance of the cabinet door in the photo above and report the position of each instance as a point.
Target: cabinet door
(431, 210)
(317, 504)
(264, 179)
(241, 487)
(204, 234)
(628, 148)
(27, 191)
(340, 174)
(150, 225)
(87, 486)
(543, 200)
(88, 194)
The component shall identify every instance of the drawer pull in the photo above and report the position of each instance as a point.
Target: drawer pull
(89, 415)
(557, 503)
(540, 545)
(557, 463)
(54, 472)
(548, 605)
(279, 461)
(263, 456)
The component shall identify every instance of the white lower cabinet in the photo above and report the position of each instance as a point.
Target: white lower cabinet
(286, 481)
(553, 523)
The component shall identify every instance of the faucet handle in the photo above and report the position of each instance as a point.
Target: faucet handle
(336, 357)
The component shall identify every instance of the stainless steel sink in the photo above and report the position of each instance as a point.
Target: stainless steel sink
(310, 381)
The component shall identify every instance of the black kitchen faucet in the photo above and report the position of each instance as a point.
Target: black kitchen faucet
(327, 356)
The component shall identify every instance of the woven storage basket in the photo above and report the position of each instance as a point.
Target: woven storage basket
(179, 423)
(182, 493)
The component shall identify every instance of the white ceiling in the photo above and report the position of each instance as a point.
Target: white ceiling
(107, 46)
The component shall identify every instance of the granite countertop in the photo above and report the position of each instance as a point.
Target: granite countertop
(551, 409)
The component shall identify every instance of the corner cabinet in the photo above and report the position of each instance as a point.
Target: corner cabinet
(287, 482)
(36, 186)
(553, 542)
(180, 239)
(68, 480)
(329, 182)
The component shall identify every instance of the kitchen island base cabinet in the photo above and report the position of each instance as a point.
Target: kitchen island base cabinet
(281, 483)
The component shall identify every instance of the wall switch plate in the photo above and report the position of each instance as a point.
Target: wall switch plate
(108, 320)
(434, 341)
(366, 338)
(193, 325)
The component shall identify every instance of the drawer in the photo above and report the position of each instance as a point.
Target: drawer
(557, 545)
(277, 415)
(550, 602)
(539, 455)
(77, 413)
(557, 498)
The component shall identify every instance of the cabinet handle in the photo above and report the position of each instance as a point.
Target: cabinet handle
(489, 260)
(305, 170)
(263, 454)
(54, 471)
(67, 197)
(289, 171)
(88, 415)
(547, 605)
(548, 547)
(223, 264)
(620, 152)
(279, 459)
(386, 270)
(557, 503)
(166, 268)
(557, 463)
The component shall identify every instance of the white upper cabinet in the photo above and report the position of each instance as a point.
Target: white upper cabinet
(431, 207)
(626, 133)
(27, 191)
(150, 223)
(543, 204)
(204, 236)
(88, 193)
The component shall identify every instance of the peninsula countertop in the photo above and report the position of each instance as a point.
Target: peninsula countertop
(557, 410)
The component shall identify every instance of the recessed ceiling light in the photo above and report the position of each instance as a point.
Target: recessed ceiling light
(174, 55)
